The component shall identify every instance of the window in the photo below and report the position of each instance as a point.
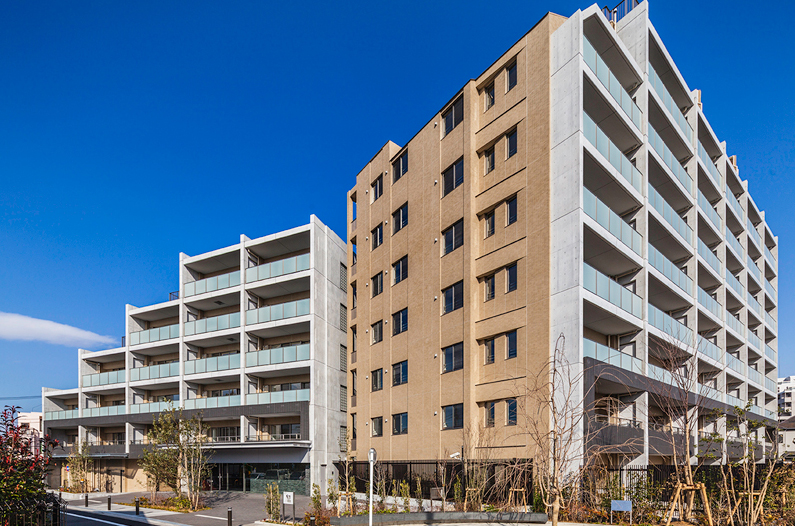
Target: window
(343, 318)
(489, 96)
(400, 321)
(378, 236)
(453, 416)
(378, 188)
(378, 331)
(354, 300)
(353, 426)
(453, 177)
(354, 378)
(512, 143)
(488, 157)
(343, 438)
(453, 236)
(489, 348)
(378, 284)
(401, 269)
(400, 167)
(400, 424)
(511, 70)
(343, 276)
(511, 344)
(488, 220)
(511, 277)
(353, 339)
(510, 410)
(453, 357)
(343, 358)
(454, 115)
(489, 282)
(343, 398)
(490, 414)
(400, 373)
(378, 426)
(453, 297)
(400, 218)
(377, 379)
(511, 204)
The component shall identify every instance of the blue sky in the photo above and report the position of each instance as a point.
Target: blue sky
(133, 131)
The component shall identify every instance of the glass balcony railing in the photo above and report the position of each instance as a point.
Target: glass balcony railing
(755, 376)
(771, 353)
(754, 341)
(754, 270)
(753, 234)
(771, 322)
(710, 212)
(754, 306)
(611, 221)
(709, 256)
(612, 291)
(610, 151)
(212, 402)
(213, 364)
(769, 255)
(291, 309)
(275, 269)
(734, 401)
(603, 353)
(152, 407)
(154, 335)
(97, 379)
(735, 364)
(292, 353)
(606, 77)
(771, 290)
(736, 246)
(296, 395)
(224, 281)
(735, 284)
(153, 372)
(111, 410)
(710, 392)
(712, 170)
(669, 103)
(655, 372)
(773, 415)
(670, 161)
(708, 348)
(669, 270)
(669, 325)
(709, 303)
(771, 384)
(735, 324)
(755, 409)
(61, 415)
(734, 204)
(216, 323)
(669, 214)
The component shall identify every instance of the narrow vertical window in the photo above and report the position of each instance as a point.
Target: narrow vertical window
(343, 358)
(512, 212)
(511, 344)
(453, 236)
(378, 331)
(354, 300)
(378, 236)
(510, 409)
(400, 373)
(453, 177)
(343, 398)
(512, 79)
(377, 284)
(490, 414)
(377, 188)
(489, 286)
(511, 277)
(488, 96)
(488, 221)
(489, 350)
(377, 379)
(400, 321)
(400, 167)
(488, 157)
(401, 269)
(453, 116)
(400, 218)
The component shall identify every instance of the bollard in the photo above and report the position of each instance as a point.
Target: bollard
(137, 509)
(86, 500)
(311, 520)
(229, 516)
(108, 502)
(56, 513)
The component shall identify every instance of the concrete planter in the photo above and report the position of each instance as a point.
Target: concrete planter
(386, 519)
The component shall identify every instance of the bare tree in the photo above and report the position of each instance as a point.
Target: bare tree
(194, 456)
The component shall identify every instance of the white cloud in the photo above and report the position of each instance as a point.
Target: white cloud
(19, 327)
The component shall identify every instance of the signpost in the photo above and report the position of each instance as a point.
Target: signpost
(372, 456)
(288, 497)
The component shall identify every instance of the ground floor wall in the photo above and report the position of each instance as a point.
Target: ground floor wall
(105, 475)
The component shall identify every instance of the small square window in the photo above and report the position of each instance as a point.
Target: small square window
(400, 424)
(488, 220)
(511, 277)
(401, 269)
(489, 96)
(488, 346)
(453, 416)
(453, 297)
(377, 424)
(377, 379)
(453, 357)
(510, 409)
(377, 188)
(512, 213)
(511, 344)
(453, 177)
(488, 157)
(378, 331)
(400, 373)
(400, 321)
(490, 414)
(512, 79)
(400, 167)
(489, 284)
(513, 144)
(378, 284)
(453, 116)
(400, 218)
(378, 236)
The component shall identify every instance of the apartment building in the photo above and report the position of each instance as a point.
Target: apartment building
(786, 386)
(573, 188)
(254, 341)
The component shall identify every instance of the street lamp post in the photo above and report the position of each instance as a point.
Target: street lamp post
(372, 456)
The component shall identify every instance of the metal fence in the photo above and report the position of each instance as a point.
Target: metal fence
(493, 479)
(50, 511)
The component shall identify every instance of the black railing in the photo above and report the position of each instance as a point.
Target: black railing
(50, 511)
(621, 10)
(173, 296)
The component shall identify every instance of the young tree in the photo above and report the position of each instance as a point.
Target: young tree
(160, 461)
(23, 466)
(80, 464)
(194, 456)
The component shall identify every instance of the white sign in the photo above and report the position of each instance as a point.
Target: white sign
(287, 497)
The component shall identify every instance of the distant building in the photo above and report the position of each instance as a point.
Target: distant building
(786, 386)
